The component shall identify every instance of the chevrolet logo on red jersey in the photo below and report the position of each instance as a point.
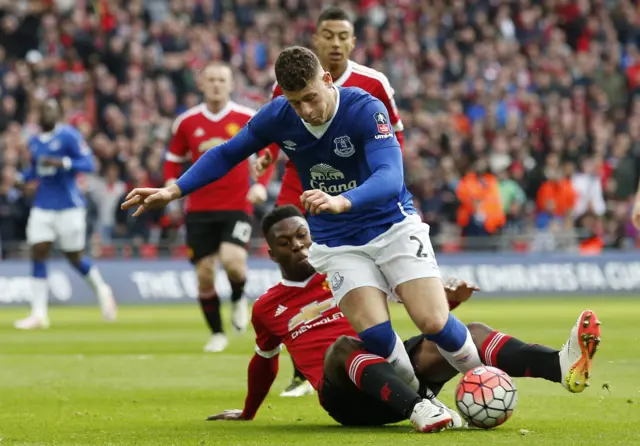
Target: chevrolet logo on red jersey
(311, 312)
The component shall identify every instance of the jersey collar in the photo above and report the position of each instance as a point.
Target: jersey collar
(344, 76)
(216, 117)
(319, 130)
(291, 283)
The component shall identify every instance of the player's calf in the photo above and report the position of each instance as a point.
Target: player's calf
(39, 317)
(373, 375)
(92, 275)
(234, 263)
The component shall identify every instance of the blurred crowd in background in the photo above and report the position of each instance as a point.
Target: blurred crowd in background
(522, 117)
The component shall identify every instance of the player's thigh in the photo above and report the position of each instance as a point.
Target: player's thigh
(235, 237)
(405, 253)
(41, 227)
(350, 406)
(203, 237)
(71, 229)
(407, 261)
(356, 283)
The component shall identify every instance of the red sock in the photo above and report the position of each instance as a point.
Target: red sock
(491, 346)
(375, 376)
(519, 359)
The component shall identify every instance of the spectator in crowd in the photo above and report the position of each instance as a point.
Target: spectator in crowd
(14, 211)
(524, 80)
(481, 211)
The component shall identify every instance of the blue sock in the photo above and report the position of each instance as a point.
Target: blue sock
(39, 270)
(452, 336)
(84, 266)
(379, 339)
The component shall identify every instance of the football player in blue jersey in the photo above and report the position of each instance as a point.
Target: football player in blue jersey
(58, 214)
(367, 236)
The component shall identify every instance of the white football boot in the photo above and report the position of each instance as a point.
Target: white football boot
(217, 343)
(576, 355)
(297, 388)
(456, 419)
(32, 323)
(240, 315)
(427, 417)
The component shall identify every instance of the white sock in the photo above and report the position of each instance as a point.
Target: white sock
(465, 359)
(96, 282)
(401, 363)
(39, 297)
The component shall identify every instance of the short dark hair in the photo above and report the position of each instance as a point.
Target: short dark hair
(333, 13)
(277, 215)
(295, 67)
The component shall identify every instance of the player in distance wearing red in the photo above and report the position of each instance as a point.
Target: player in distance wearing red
(354, 386)
(334, 42)
(218, 217)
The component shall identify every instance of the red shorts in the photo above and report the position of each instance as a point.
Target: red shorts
(291, 188)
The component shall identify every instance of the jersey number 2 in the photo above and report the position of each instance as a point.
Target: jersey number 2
(420, 247)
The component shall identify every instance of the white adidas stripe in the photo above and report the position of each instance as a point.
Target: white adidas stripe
(355, 364)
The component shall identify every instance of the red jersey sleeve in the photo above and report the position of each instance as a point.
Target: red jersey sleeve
(178, 152)
(267, 344)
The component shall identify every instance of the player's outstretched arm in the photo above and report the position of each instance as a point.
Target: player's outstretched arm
(262, 372)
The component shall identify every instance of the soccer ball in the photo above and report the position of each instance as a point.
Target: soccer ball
(486, 397)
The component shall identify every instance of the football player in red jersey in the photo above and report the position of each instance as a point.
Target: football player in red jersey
(334, 42)
(218, 219)
(356, 387)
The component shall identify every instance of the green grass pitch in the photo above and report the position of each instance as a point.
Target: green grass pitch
(145, 381)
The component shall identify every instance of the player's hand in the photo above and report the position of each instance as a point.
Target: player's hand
(635, 216)
(458, 290)
(228, 415)
(316, 201)
(147, 198)
(262, 164)
(50, 161)
(257, 194)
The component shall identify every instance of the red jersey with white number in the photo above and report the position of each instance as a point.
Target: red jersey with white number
(305, 318)
(198, 130)
(373, 82)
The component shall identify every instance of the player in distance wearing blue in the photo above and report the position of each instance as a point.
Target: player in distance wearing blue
(58, 214)
(367, 236)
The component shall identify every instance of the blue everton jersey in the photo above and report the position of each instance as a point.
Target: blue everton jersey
(57, 187)
(354, 154)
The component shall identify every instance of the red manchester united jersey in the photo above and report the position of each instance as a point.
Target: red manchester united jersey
(373, 82)
(198, 130)
(305, 318)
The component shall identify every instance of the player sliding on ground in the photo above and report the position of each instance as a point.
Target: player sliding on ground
(368, 237)
(356, 387)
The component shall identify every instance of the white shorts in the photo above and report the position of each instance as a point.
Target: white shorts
(401, 254)
(66, 227)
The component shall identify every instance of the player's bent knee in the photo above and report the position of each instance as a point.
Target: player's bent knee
(433, 324)
(336, 356)
(234, 261)
(479, 333)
